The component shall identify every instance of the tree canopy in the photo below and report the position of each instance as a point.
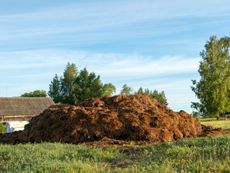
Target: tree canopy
(160, 96)
(36, 93)
(126, 90)
(213, 88)
(55, 89)
(108, 89)
(74, 87)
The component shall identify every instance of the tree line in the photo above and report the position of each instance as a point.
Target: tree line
(74, 87)
(212, 89)
(160, 96)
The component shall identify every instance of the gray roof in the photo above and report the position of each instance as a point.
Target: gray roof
(12, 106)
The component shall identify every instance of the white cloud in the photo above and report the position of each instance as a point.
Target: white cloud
(142, 66)
(102, 16)
(108, 65)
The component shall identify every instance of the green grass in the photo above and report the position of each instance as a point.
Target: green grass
(207, 119)
(217, 123)
(191, 155)
(206, 154)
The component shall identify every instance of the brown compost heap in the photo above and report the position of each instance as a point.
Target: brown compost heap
(127, 118)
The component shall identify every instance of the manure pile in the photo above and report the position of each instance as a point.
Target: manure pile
(127, 118)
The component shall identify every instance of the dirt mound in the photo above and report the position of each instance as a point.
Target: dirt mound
(129, 118)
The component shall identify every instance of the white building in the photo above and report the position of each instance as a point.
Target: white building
(16, 112)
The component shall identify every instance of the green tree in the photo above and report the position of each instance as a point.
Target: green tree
(160, 96)
(108, 89)
(75, 87)
(126, 90)
(36, 93)
(87, 85)
(55, 89)
(68, 83)
(213, 88)
(140, 91)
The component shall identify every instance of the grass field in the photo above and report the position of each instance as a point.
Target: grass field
(191, 155)
(206, 154)
(217, 123)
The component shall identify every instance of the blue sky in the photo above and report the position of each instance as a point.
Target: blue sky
(150, 43)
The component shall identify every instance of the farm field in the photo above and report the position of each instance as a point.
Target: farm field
(217, 123)
(206, 154)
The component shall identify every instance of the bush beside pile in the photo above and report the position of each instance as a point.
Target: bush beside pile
(2, 128)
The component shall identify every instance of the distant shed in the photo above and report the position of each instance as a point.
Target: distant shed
(22, 108)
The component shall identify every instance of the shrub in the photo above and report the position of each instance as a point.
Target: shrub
(2, 128)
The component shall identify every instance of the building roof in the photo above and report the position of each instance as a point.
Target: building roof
(13, 106)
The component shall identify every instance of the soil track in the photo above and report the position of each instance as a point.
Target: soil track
(113, 120)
